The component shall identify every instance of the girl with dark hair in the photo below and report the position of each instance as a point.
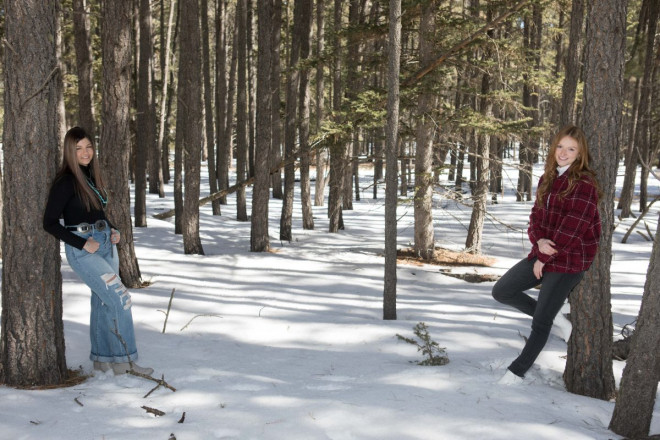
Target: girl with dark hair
(564, 229)
(79, 197)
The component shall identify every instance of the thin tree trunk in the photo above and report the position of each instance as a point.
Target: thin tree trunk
(423, 206)
(32, 344)
(208, 105)
(394, 56)
(480, 196)
(643, 135)
(146, 128)
(303, 116)
(189, 119)
(163, 138)
(569, 88)
(242, 123)
(321, 155)
(292, 94)
(589, 362)
(636, 399)
(631, 158)
(276, 120)
(259, 239)
(115, 132)
(337, 147)
(221, 95)
(83, 46)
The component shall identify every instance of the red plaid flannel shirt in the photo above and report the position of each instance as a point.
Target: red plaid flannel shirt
(571, 222)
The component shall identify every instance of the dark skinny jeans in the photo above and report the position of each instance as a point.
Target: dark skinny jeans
(555, 288)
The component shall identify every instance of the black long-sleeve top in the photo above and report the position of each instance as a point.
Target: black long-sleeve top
(64, 202)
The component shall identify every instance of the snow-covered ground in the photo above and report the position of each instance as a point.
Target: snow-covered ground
(291, 344)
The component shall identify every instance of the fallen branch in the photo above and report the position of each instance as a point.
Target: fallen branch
(153, 411)
(197, 316)
(167, 314)
(641, 216)
(160, 382)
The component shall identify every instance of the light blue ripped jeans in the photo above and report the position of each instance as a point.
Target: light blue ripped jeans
(111, 322)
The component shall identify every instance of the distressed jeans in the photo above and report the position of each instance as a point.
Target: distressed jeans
(555, 288)
(111, 322)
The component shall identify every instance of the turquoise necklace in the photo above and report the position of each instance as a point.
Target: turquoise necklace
(104, 200)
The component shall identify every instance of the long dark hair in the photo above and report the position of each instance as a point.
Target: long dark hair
(70, 166)
(576, 172)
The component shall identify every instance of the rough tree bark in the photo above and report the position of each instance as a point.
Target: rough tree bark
(83, 44)
(336, 143)
(634, 404)
(423, 206)
(290, 125)
(259, 240)
(321, 155)
(208, 105)
(303, 116)
(222, 98)
(567, 112)
(391, 173)
(146, 122)
(32, 344)
(589, 362)
(241, 109)
(189, 120)
(276, 120)
(115, 132)
(480, 196)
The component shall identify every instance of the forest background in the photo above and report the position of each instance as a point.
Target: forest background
(253, 88)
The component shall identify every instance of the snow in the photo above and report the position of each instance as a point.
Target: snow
(291, 344)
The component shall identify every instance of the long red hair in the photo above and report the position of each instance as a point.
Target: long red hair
(576, 172)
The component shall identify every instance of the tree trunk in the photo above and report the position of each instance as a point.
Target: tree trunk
(567, 113)
(83, 44)
(352, 78)
(303, 116)
(226, 146)
(221, 96)
(32, 346)
(631, 158)
(208, 105)
(241, 109)
(643, 135)
(634, 404)
(189, 120)
(423, 201)
(394, 57)
(336, 143)
(156, 179)
(480, 196)
(589, 362)
(292, 92)
(115, 132)
(252, 87)
(276, 120)
(146, 123)
(259, 240)
(321, 154)
(163, 138)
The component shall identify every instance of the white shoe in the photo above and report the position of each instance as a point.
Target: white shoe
(510, 379)
(102, 366)
(562, 327)
(124, 367)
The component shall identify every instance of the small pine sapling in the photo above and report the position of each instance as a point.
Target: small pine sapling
(435, 355)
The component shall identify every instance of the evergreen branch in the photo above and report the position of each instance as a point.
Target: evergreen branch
(462, 45)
